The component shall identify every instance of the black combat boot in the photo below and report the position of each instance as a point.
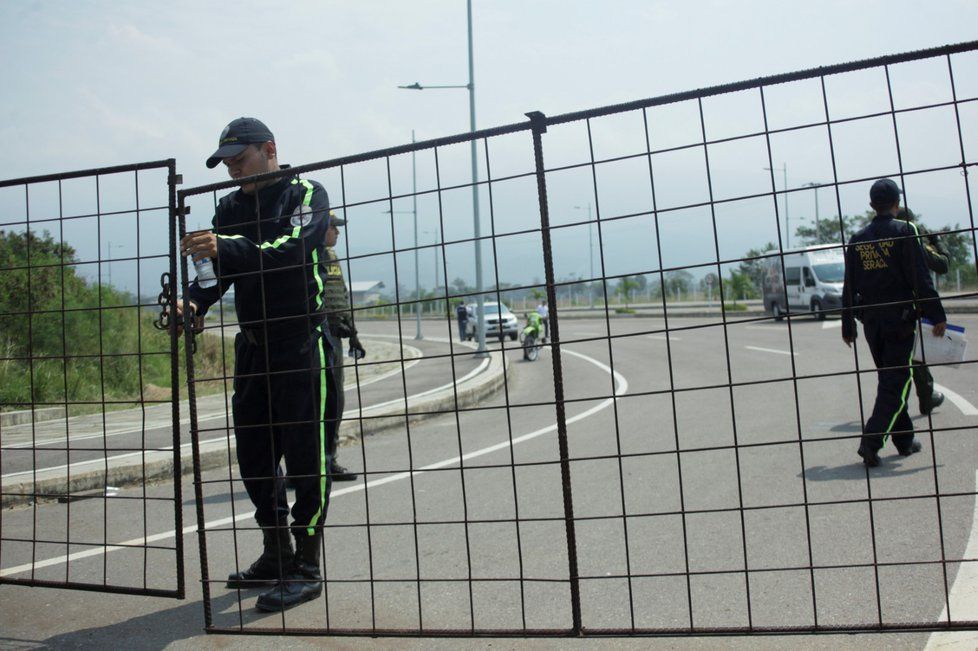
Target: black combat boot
(275, 559)
(303, 582)
(339, 473)
(928, 405)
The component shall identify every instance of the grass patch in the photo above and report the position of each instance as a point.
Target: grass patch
(67, 341)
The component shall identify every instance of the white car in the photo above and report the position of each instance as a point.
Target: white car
(500, 322)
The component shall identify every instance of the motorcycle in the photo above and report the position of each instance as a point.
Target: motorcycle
(532, 337)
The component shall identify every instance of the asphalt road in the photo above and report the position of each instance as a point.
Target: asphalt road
(759, 491)
(90, 439)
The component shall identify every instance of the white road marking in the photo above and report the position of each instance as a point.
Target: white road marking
(481, 367)
(186, 422)
(773, 326)
(834, 323)
(665, 338)
(966, 407)
(621, 389)
(963, 598)
(102, 461)
(771, 350)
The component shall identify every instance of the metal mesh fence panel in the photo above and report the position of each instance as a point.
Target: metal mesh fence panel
(604, 391)
(673, 449)
(89, 423)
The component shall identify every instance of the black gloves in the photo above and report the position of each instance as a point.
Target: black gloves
(357, 351)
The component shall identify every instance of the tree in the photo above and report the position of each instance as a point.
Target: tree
(756, 268)
(625, 288)
(957, 244)
(78, 351)
(959, 247)
(739, 286)
(827, 231)
(460, 286)
(708, 284)
(680, 281)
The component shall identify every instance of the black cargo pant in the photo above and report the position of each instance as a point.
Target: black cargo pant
(281, 409)
(336, 400)
(924, 383)
(890, 340)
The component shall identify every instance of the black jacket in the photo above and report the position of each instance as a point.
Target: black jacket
(272, 248)
(887, 277)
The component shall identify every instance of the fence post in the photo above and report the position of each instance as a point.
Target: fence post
(539, 125)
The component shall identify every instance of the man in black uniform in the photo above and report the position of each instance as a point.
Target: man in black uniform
(462, 315)
(886, 285)
(937, 259)
(269, 243)
(341, 325)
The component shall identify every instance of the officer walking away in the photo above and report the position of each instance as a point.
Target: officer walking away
(544, 313)
(937, 260)
(462, 314)
(268, 242)
(340, 319)
(887, 286)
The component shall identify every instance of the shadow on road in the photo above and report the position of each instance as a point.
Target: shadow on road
(154, 630)
(220, 498)
(855, 470)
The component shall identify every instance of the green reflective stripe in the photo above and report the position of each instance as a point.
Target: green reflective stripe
(911, 224)
(307, 199)
(322, 435)
(274, 244)
(903, 395)
(917, 233)
(267, 245)
(906, 386)
(319, 280)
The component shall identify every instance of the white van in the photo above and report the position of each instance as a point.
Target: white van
(812, 281)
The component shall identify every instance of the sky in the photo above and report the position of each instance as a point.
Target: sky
(89, 84)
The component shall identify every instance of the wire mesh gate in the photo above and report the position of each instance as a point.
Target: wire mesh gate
(88, 385)
(650, 475)
(692, 471)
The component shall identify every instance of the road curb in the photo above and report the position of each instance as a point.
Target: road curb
(22, 416)
(49, 485)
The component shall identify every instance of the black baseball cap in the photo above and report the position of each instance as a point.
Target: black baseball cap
(237, 136)
(336, 221)
(885, 192)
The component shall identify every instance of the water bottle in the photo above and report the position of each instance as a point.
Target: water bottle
(205, 273)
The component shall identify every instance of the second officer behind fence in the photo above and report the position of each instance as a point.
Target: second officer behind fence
(887, 287)
(269, 243)
(937, 260)
(341, 326)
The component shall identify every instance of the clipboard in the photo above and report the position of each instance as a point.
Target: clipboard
(948, 349)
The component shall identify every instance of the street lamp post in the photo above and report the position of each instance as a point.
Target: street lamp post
(590, 254)
(109, 259)
(417, 271)
(434, 250)
(814, 186)
(480, 300)
(787, 220)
